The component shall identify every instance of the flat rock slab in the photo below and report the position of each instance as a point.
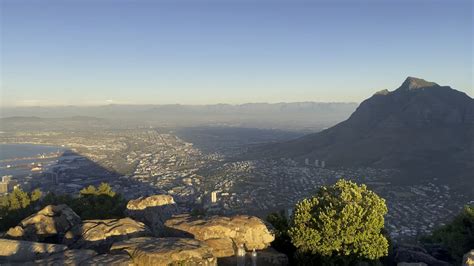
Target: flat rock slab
(101, 234)
(109, 259)
(20, 251)
(166, 251)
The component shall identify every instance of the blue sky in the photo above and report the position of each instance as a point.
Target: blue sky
(199, 52)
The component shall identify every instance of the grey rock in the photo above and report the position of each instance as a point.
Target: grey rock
(101, 234)
(51, 223)
(166, 251)
(22, 251)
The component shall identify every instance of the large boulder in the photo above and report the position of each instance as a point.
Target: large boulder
(153, 211)
(49, 224)
(166, 251)
(145, 202)
(241, 230)
(21, 251)
(101, 234)
(468, 259)
(412, 254)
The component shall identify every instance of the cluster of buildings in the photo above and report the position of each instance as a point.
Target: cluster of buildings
(7, 184)
(143, 162)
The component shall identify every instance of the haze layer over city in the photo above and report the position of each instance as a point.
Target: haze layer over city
(231, 109)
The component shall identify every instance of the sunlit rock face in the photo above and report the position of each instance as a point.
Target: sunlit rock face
(224, 234)
(153, 211)
(49, 224)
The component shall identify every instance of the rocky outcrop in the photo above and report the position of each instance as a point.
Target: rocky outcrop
(218, 232)
(109, 259)
(21, 251)
(49, 224)
(145, 202)
(412, 254)
(468, 259)
(166, 251)
(101, 234)
(153, 211)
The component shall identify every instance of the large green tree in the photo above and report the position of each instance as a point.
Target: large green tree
(341, 221)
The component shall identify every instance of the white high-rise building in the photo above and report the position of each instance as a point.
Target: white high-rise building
(316, 163)
(323, 164)
(6, 178)
(213, 196)
(306, 161)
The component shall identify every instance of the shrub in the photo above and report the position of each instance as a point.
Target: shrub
(457, 236)
(17, 205)
(341, 222)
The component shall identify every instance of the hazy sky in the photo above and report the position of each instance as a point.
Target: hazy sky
(99, 52)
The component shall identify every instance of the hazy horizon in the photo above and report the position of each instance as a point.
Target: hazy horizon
(85, 53)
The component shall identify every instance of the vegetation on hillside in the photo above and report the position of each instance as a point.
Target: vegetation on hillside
(457, 237)
(99, 202)
(16, 206)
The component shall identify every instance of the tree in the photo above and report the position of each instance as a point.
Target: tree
(99, 203)
(36, 195)
(102, 189)
(457, 236)
(17, 205)
(90, 190)
(105, 189)
(341, 221)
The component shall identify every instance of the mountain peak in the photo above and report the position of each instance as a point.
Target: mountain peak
(412, 83)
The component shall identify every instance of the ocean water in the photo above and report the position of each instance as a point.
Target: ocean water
(12, 151)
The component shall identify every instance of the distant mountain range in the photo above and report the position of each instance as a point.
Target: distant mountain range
(422, 128)
(310, 116)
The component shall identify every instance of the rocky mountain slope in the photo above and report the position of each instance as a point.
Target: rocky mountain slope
(421, 127)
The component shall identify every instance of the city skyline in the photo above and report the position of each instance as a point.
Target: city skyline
(208, 52)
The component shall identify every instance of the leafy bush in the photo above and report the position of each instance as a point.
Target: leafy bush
(92, 203)
(340, 224)
(16, 206)
(457, 236)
